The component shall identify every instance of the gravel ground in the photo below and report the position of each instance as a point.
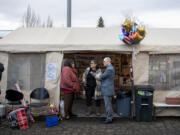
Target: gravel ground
(94, 126)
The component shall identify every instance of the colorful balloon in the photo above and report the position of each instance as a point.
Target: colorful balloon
(127, 25)
(141, 30)
(124, 32)
(132, 33)
(121, 36)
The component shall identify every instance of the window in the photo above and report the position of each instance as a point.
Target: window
(26, 69)
(164, 72)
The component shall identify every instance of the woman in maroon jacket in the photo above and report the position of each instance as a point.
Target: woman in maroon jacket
(69, 85)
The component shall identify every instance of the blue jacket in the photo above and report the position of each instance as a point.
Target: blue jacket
(107, 85)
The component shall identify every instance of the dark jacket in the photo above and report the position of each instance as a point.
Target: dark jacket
(1, 70)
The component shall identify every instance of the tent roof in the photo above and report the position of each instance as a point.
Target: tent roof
(87, 39)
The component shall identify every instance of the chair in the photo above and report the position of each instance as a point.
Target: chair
(40, 94)
(13, 97)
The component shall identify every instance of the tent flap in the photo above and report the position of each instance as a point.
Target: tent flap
(52, 77)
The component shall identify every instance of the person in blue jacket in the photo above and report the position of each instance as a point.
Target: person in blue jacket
(107, 88)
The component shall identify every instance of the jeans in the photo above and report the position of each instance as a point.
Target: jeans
(108, 107)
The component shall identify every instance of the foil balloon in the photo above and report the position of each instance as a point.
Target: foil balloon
(132, 33)
(141, 30)
(127, 25)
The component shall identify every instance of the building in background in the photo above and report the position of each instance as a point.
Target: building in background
(4, 33)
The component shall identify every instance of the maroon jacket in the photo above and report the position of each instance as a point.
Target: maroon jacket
(69, 80)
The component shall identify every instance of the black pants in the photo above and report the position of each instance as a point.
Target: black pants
(68, 102)
(89, 94)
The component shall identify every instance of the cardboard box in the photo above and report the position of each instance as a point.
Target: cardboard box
(173, 100)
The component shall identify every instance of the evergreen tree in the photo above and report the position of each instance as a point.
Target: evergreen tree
(100, 22)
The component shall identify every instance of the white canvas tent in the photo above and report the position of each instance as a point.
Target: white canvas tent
(93, 39)
(54, 42)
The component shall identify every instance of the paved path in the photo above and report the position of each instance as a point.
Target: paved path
(93, 126)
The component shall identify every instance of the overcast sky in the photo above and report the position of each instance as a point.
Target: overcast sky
(85, 13)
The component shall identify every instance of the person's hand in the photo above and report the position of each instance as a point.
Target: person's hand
(98, 77)
(92, 73)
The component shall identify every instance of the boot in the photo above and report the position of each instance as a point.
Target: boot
(98, 111)
(89, 111)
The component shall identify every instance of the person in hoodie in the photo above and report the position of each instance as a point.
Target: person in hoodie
(70, 85)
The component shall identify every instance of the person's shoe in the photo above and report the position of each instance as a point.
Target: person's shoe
(67, 117)
(98, 111)
(89, 111)
(73, 115)
(102, 119)
(107, 121)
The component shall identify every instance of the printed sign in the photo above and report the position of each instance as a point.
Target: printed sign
(51, 71)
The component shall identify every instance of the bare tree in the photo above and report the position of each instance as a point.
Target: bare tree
(49, 22)
(31, 19)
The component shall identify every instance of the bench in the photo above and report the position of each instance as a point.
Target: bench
(162, 105)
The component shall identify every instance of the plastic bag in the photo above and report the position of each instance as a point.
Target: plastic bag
(61, 106)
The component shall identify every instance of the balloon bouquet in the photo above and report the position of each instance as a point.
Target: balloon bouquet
(132, 33)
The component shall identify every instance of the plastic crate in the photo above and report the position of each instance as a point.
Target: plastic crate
(52, 121)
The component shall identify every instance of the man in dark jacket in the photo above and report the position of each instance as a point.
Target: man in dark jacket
(1, 70)
(107, 88)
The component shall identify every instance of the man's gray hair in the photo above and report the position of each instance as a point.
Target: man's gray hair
(107, 59)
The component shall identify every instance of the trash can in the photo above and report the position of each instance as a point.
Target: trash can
(124, 103)
(144, 102)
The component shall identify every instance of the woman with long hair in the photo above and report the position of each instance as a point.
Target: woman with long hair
(69, 85)
(92, 87)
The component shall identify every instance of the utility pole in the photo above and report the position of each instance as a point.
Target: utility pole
(68, 13)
